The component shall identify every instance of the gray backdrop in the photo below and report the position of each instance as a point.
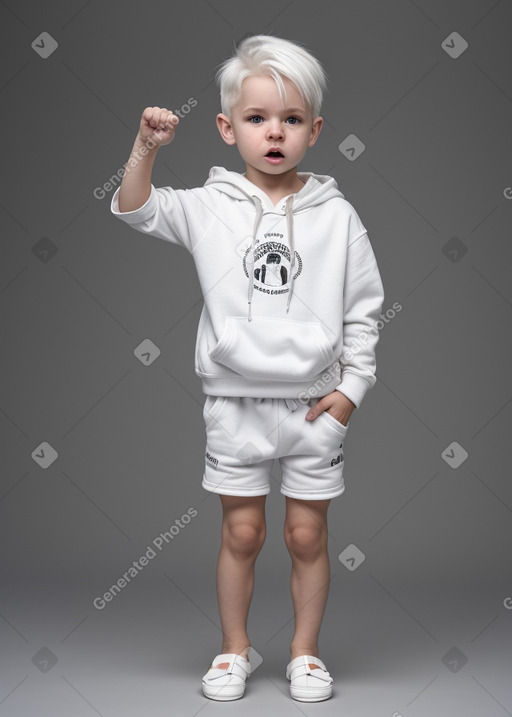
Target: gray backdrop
(102, 453)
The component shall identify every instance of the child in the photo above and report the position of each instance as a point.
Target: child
(286, 339)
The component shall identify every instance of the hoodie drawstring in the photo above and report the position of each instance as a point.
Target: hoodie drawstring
(289, 222)
(250, 254)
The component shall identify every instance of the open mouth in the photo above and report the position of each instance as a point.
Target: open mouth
(275, 153)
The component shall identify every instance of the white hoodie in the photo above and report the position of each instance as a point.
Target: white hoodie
(291, 292)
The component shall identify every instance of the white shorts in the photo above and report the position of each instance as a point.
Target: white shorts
(244, 435)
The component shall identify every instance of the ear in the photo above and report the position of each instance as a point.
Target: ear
(225, 128)
(315, 130)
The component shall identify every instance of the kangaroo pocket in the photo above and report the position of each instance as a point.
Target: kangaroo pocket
(273, 348)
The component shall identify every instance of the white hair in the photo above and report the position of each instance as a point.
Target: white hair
(269, 55)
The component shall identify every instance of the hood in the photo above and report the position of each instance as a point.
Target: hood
(318, 188)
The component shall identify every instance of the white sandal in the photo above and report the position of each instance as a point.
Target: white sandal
(226, 683)
(309, 684)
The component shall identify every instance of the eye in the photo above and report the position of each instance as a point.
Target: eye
(293, 120)
(256, 118)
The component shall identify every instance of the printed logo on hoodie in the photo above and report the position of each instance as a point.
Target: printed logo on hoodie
(272, 261)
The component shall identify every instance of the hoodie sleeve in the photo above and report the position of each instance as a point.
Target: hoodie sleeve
(363, 301)
(180, 216)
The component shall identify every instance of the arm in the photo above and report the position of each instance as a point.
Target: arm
(157, 127)
(179, 216)
(363, 298)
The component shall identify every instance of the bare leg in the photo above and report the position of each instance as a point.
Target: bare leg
(305, 533)
(243, 535)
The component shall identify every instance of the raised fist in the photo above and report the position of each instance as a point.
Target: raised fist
(159, 124)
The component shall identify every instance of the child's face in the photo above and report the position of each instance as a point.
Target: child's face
(260, 123)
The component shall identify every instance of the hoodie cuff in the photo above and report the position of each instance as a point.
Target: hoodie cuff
(141, 214)
(353, 387)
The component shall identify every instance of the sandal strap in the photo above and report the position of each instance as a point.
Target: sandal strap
(235, 661)
(300, 666)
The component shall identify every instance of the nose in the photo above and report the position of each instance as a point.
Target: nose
(274, 129)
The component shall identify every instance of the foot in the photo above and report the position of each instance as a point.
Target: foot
(226, 677)
(225, 665)
(309, 679)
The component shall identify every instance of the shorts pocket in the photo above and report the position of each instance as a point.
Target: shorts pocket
(273, 348)
(212, 407)
(334, 422)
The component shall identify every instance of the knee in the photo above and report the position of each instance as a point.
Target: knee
(305, 542)
(244, 539)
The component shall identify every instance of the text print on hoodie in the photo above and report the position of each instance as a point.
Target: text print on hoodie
(287, 289)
